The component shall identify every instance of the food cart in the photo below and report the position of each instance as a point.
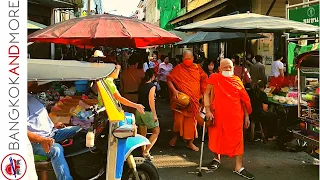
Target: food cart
(307, 132)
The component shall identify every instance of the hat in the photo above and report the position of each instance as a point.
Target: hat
(98, 53)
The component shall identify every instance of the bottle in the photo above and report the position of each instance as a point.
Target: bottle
(90, 139)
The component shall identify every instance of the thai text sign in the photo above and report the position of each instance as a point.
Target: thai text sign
(308, 15)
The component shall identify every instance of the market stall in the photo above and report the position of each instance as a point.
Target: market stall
(308, 106)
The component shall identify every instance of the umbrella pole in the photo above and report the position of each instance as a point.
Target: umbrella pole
(84, 53)
(245, 54)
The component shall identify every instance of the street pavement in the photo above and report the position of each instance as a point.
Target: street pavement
(265, 161)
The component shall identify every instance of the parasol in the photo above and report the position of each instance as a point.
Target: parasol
(104, 30)
(249, 23)
(203, 37)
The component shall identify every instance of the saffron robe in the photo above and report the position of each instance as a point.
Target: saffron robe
(192, 81)
(226, 134)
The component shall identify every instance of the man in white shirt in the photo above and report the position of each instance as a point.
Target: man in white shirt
(164, 69)
(147, 65)
(277, 67)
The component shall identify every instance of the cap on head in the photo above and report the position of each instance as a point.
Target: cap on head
(98, 53)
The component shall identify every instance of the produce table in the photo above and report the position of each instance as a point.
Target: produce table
(271, 100)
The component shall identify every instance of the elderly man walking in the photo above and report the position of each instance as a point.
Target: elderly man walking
(190, 79)
(227, 107)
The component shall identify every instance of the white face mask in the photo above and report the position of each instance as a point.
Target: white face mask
(227, 73)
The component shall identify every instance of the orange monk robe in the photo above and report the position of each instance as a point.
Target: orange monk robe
(192, 81)
(226, 134)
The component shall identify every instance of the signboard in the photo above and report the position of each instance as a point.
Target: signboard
(308, 15)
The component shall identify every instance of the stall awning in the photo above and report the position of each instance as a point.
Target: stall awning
(55, 3)
(213, 7)
(34, 25)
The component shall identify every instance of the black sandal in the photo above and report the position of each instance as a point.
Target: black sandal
(244, 173)
(215, 164)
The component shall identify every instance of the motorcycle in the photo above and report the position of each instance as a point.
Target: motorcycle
(109, 155)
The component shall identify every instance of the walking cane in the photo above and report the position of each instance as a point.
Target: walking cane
(202, 144)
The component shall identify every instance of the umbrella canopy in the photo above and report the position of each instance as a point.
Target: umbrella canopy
(250, 22)
(34, 25)
(84, 46)
(203, 37)
(180, 34)
(67, 70)
(104, 30)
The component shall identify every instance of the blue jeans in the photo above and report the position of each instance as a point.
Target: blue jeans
(56, 154)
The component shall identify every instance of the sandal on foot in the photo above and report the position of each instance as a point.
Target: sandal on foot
(244, 173)
(215, 164)
(148, 156)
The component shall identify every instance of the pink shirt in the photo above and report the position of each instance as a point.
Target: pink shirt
(164, 70)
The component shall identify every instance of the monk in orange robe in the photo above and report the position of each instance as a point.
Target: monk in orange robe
(190, 79)
(227, 106)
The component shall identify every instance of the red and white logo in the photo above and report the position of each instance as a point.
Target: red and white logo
(13, 166)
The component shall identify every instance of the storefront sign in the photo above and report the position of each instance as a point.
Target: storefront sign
(308, 15)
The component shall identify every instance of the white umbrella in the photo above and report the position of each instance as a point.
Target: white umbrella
(249, 22)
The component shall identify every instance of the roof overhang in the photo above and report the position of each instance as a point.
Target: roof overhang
(211, 8)
(54, 3)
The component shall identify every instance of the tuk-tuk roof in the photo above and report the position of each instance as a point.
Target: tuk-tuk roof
(308, 60)
(67, 70)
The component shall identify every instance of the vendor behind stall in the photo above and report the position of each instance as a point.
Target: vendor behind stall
(260, 110)
(277, 67)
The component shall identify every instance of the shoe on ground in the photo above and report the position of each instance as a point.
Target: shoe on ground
(244, 173)
(214, 165)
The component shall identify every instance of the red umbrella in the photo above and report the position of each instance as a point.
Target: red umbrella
(104, 30)
(84, 46)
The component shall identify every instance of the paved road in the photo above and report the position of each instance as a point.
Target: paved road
(265, 161)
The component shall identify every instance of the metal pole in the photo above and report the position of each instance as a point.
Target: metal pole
(303, 4)
(299, 93)
(88, 14)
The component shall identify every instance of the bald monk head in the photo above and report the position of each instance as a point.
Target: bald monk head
(226, 67)
(187, 58)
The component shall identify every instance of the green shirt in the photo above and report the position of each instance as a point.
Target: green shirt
(112, 88)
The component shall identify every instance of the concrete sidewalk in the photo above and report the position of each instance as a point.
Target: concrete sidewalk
(265, 161)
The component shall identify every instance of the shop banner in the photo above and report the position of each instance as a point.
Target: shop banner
(308, 15)
(16, 161)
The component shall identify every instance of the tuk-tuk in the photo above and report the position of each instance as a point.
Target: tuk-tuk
(307, 132)
(114, 130)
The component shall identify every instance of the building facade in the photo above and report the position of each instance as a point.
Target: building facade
(152, 12)
(48, 12)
